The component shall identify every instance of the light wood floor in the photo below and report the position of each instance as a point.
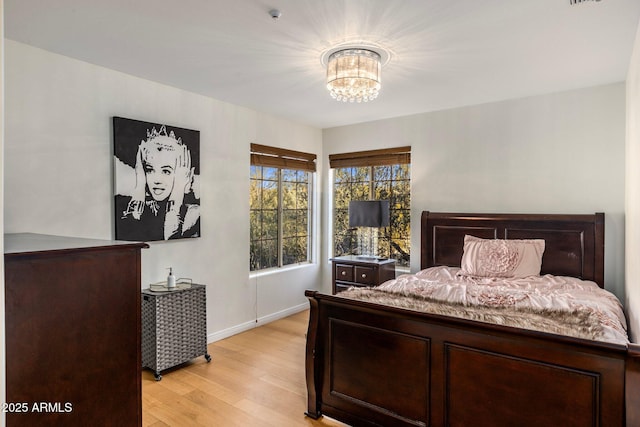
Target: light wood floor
(255, 378)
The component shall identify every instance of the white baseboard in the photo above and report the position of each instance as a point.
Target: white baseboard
(226, 333)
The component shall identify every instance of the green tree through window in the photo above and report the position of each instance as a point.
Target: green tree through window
(374, 183)
(280, 211)
(373, 175)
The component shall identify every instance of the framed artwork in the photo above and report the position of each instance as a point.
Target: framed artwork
(156, 181)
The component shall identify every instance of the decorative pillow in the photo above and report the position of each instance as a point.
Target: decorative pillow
(501, 258)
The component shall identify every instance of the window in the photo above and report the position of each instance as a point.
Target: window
(373, 175)
(280, 207)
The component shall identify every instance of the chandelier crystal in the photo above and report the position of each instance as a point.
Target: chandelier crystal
(353, 75)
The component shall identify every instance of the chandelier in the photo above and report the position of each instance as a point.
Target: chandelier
(354, 75)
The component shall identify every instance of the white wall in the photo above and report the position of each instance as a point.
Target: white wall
(58, 175)
(558, 153)
(632, 195)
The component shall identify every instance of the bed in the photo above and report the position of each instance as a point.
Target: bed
(372, 364)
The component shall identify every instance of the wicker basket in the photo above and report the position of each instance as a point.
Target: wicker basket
(174, 327)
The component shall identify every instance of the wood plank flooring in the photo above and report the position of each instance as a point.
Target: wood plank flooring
(255, 378)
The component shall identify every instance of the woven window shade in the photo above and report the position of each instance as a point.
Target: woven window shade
(263, 155)
(383, 157)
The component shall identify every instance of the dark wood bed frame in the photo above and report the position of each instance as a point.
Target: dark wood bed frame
(369, 364)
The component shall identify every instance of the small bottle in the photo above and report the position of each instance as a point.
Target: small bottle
(171, 279)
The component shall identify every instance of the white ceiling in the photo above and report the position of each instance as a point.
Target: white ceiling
(444, 53)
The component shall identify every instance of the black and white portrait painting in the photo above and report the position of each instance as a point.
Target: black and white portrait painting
(157, 191)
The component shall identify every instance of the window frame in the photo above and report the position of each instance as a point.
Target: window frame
(280, 161)
(371, 159)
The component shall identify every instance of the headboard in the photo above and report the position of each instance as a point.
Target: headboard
(574, 244)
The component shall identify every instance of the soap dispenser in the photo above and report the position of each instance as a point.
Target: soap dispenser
(171, 279)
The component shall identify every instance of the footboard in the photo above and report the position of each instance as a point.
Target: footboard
(374, 365)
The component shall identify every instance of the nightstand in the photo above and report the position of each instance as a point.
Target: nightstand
(353, 270)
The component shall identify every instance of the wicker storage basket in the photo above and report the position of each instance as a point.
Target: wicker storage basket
(174, 327)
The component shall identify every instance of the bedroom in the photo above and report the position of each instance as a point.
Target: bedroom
(57, 129)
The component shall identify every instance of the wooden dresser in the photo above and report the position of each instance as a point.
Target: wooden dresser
(72, 312)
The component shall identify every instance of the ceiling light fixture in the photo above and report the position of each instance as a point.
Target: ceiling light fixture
(353, 74)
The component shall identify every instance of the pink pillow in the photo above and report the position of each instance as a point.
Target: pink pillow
(501, 257)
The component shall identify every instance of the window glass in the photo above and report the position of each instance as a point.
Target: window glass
(388, 182)
(279, 217)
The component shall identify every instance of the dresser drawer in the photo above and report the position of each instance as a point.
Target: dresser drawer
(342, 286)
(344, 272)
(365, 275)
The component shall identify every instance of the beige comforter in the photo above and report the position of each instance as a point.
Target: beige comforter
(556, 304)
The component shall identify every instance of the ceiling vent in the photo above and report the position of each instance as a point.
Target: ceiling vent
(580, 1)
